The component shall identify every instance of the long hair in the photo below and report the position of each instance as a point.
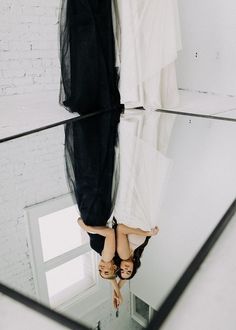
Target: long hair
(135, 258)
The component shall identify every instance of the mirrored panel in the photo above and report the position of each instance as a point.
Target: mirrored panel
(98, 234)
(174, 179)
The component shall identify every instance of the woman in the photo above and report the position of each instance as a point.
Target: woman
(143, 171)
(103, 241)
(89, 87)
(130, 245)
(105, 245)
(89, 154)
(129, 255)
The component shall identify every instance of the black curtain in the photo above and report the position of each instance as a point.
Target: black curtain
(88, 75)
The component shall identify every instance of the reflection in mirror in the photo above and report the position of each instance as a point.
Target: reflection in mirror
(171, 171)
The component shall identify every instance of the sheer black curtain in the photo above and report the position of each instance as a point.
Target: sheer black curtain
(89, 84)
(88, 74)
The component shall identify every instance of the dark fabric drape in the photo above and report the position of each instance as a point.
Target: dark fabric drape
(89, 84)
(87, 55)
(90, 156)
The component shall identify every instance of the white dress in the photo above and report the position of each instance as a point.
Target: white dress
(147, 34)
(143, 170)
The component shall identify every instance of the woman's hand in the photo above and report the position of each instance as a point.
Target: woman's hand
(117, 299)
(154, 231)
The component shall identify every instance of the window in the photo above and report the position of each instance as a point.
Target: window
(141, 312)
(62, 260)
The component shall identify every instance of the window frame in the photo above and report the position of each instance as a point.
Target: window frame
(135, 315)
(39, 266)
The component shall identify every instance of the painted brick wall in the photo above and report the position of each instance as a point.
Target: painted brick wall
(32, 170)
(29, 56)
(28, 46)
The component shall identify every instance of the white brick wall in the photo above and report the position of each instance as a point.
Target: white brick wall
(31, 171)
(29, 41)
(28, 46)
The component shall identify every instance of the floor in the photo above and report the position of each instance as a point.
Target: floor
(24, 317)
(43, 109)
(40, 110)
(209, 301)
(205, 103)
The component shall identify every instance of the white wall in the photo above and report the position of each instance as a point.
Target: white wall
(28, 46)
(208, 29)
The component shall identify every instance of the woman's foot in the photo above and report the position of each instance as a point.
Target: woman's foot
(154, 231)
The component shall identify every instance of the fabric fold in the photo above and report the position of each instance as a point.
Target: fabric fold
(148, 41)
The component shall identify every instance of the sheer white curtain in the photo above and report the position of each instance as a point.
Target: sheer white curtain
(143, 169)
(147, 42)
